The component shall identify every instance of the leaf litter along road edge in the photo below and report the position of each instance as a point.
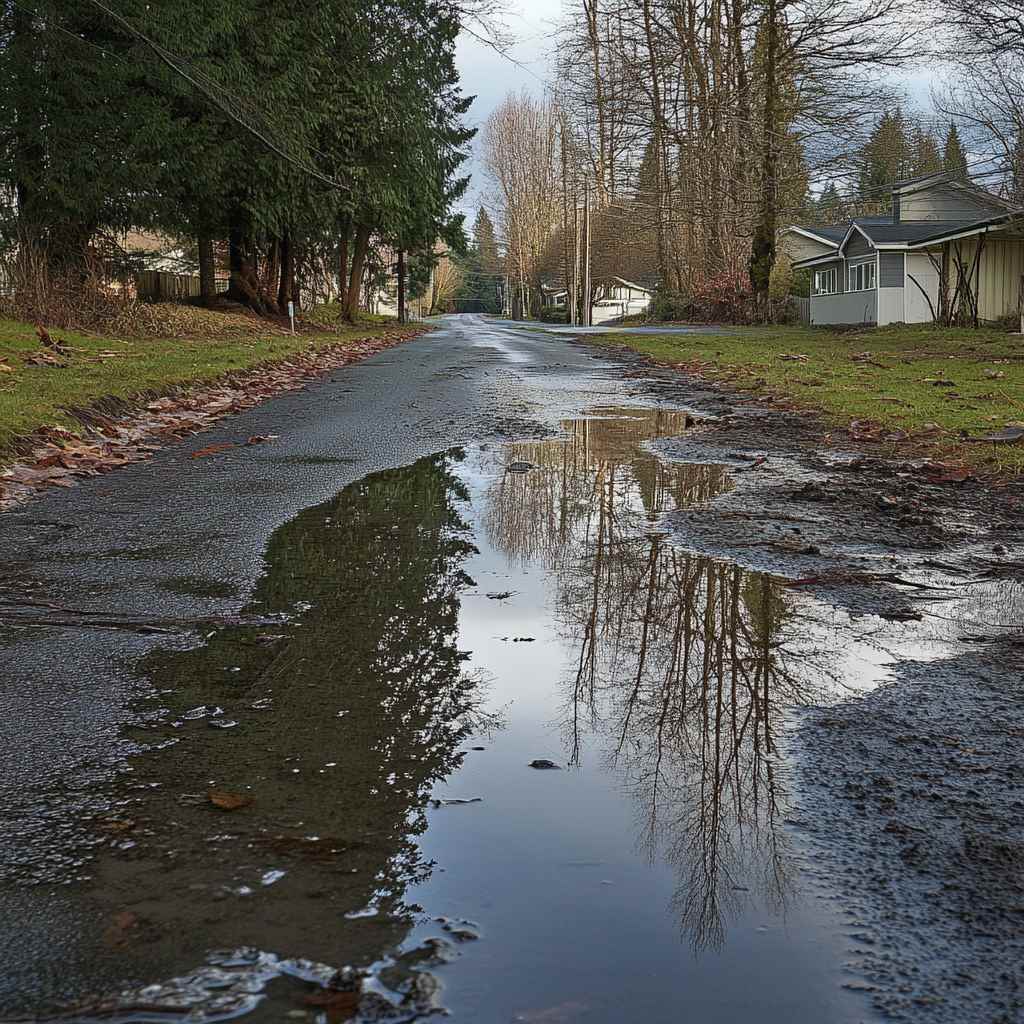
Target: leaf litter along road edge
(60, 457)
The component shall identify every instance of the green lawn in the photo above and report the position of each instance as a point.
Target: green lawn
(99, 367)
(887, 375)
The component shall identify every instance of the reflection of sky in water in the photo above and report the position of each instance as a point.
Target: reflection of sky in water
(651, 878)
(653, 871)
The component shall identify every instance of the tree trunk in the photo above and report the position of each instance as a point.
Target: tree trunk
(244, 286)
(27, 155)
(362, 243)
(343, 244)
(207, 271)
(762, 257)
(401, 287)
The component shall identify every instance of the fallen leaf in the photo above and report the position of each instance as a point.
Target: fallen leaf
(262, 438)
(228, 801)
(45, 359)
(945, 473)
(212, 449)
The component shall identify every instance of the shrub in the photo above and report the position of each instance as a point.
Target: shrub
(554, 315)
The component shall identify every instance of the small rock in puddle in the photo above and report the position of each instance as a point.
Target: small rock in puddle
(460, 931)
(544, 764)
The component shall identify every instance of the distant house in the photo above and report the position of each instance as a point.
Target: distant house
(884, 270)
(553, 297)
(615, 297)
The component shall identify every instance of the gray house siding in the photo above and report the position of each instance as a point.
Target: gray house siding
(944, 202)
(890, 269)
(858, 245)
(853, 308)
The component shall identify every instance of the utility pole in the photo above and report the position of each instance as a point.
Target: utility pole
(574, 270)
(587, 308)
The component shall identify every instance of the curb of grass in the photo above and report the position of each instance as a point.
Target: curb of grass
(910, 448)
(308, 364)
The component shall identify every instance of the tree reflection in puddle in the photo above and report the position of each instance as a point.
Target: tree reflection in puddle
(347, 698)
(355, 708)
(679, 662)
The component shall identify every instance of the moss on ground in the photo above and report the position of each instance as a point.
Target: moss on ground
(100, 368)
(887, 375)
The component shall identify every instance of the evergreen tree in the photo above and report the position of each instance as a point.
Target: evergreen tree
(232, 137)
(830, 209)
(926, 156)
(486, 243)
(886, 158)
(954, 157)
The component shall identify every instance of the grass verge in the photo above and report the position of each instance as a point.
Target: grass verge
(936, 386)
(100, 368)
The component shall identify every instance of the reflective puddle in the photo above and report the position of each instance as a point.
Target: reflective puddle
(335, 812)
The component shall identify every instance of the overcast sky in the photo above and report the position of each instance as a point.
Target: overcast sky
(490, 77)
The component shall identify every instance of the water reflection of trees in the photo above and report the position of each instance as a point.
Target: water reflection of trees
(348, 714)
(681, 664)
(601, 480)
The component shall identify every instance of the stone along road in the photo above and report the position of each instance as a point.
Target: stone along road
(270, 716)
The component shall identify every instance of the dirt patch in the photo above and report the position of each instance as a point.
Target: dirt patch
(916, 792)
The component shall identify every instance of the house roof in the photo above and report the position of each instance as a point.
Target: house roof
(907, 231)
(621, 280)
(923, 181)
(948, 232)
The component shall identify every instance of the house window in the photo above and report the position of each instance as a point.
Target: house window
(825, 281)
(862, 276)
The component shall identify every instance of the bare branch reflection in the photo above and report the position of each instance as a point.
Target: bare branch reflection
(681, 664)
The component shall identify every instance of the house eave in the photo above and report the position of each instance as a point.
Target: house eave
(811, 235)
(978, 228)
(854, 226)
(811, 261)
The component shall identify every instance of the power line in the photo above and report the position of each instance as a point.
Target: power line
(213, 91)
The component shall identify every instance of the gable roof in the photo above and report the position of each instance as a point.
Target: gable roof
(950, 231)
(907, 231)
(828, 234)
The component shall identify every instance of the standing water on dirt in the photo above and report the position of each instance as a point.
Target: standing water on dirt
(483, 741)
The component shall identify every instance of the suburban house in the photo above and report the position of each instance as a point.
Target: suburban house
(946, 245)
(553, 297)
(614, 297)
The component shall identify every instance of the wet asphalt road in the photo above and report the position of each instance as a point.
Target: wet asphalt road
(180, 539)
(118, 544)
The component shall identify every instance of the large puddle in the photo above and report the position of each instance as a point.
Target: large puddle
(344, 780)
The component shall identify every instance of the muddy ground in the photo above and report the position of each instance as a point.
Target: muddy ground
(903, 800)
(911, 797)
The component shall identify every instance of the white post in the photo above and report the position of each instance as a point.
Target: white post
(587, 306)
(291, 314)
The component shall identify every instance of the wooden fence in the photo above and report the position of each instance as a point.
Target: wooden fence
(160, 286)
(801, 306)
